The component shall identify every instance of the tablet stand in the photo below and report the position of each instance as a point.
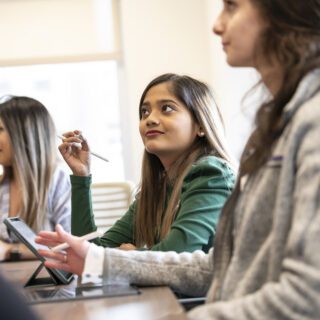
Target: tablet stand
(34, 281)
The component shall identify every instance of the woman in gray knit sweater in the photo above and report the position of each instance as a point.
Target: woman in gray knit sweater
(266, 261)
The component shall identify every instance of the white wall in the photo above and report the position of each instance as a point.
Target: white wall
(175, 36)
(159, 36)
(48, 31)
(230, 86)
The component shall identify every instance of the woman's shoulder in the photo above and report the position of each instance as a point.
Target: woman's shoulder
(60, 188)
(210, 163)
(304, 123)
(211, 167)
(60, 173)
(4, 180)
(309, 111)
(303, 109)
(60, 180)
(4, 187)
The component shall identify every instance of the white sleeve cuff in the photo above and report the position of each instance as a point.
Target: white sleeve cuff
(93, 265)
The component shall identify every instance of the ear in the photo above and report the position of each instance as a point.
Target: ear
(201, 133)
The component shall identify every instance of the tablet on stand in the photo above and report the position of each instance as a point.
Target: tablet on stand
(27, 237)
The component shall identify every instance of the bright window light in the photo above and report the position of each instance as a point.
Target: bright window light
(80, 96)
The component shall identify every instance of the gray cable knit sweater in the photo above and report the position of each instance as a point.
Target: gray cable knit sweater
(274, 272)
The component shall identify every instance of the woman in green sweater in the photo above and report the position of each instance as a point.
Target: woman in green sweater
(187, 172)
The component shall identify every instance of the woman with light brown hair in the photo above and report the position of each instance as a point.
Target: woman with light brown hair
(32, 186)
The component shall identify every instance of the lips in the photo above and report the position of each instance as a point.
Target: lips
(225, 44)
(153, 133)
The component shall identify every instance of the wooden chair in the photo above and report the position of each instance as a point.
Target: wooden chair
(110, 200)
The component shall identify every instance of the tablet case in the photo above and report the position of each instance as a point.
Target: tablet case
(43, 281)
(55, 276)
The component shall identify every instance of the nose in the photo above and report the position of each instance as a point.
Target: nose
(218, 26)
(152, 119)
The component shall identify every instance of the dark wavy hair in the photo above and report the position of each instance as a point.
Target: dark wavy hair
(292, 38)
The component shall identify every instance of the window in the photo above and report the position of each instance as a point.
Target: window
(79, 96)
(65, 54)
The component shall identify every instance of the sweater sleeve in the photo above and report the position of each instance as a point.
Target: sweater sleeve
(186, 273)
(83, 222)
(296, 294)
(204, 192)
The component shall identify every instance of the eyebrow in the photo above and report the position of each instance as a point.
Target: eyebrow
(146, 103)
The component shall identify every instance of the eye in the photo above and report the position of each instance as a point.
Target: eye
(167, 108)
(229, 5)
(144, 112)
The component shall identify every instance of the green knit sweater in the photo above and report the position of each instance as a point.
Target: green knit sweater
(204, 192)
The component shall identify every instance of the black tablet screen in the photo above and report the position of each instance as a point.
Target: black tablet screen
(27, 236)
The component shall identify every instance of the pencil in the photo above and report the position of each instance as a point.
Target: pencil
(91, 152)
(88, 237)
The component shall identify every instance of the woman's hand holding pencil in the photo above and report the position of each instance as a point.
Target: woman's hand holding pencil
(87, 237)
(76, 152)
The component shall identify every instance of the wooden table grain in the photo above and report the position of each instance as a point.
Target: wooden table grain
(154, 303)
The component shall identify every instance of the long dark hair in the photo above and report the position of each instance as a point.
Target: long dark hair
(292, 38)
(153, 217)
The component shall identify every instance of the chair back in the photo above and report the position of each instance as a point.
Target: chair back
(110, 201)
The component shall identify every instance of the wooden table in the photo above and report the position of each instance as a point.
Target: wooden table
(153, 303)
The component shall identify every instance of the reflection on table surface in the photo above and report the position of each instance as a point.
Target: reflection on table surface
(152, 303)
(78, 292)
